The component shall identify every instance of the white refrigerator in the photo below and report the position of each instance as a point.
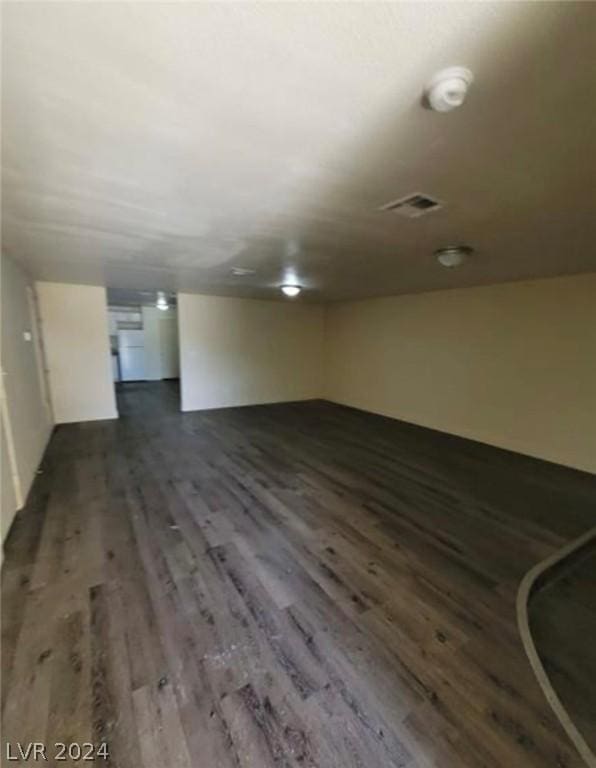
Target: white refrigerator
(131, 350)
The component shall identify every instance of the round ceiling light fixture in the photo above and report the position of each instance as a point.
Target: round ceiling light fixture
(291, 290)
(448, 88)
(162, 302)
(453, 255)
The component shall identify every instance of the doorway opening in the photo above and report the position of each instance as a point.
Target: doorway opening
(144, 347)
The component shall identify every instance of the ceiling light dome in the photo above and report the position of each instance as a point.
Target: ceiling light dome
(291, 290)
(162, 302)
(453, 255)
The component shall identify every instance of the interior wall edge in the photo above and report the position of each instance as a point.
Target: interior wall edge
(75, 331)
(244, 351)
(511, 365)
(27, 422)
(506, 444)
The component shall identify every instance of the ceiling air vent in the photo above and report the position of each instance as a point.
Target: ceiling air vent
(413, 206)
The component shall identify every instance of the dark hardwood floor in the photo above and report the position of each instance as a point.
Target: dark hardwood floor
(287, 585)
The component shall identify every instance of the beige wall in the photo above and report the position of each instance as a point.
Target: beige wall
(74, 322)
(244, 351)
(512, 365)
(26, 420)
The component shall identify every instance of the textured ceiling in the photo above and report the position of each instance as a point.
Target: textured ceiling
(150, 145)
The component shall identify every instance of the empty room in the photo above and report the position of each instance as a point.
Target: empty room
(298, 394)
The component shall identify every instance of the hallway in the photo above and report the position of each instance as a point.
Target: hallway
(137, 399)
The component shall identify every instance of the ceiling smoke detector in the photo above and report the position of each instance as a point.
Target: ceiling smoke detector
(448, 89)
(453, 255)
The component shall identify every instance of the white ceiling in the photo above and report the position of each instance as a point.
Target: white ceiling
(150, 145)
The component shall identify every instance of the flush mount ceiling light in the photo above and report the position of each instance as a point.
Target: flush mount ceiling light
(162, 302)
(453, 255)
(448, 89)
(291, 290)
(242, 271)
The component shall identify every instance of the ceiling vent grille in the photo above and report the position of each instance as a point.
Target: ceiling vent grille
(413, 206)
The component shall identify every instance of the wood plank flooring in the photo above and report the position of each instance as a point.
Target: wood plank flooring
(286, 585)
